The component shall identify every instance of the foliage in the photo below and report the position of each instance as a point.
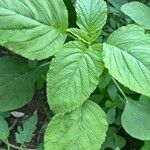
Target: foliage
(95, 59)
(16, 77)
(138, 12)
(23, 135)
(4, 130)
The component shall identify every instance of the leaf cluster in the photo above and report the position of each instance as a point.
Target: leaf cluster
(98, 79)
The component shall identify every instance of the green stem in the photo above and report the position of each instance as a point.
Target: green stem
(9, 146)
(13, 146)
(120, 89)
(7, 143)
(14, 124)
(71, 36)
(21, 147)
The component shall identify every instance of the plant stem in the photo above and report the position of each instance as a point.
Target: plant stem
(9, 146)
(13, 146)
(71, 36)
(7, 143)
(13, 125)
(120, 89)
(21, 147)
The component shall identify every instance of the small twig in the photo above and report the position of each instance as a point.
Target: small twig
(120, 89)
(9, 145)
(14, 124)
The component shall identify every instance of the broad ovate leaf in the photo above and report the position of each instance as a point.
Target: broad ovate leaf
(33, 28)
(83, 128)
(73, 76)
(127, 57)
(139, 12)
(136, 119)
(91, 15)
(4, 129)
(17, 83)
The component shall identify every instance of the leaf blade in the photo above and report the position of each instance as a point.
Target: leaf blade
(126, 55)
(139, 114)
(17, 83)
(78, 69)
(91, 15)
(71, 132)
(25, 24)
(25, 134)
(4, 129)
(138, 12)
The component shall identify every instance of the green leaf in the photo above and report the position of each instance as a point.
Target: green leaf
(73, 76)
(41, 146)
(97, 98)
(5, 114)
(146, 145)
(104, 80)
(111, 115)
(4, 129)
(83, 128)
(41, 75)
(118, 117)
(91, 15)
(17, 83)
(117, 3)
(108, 104)
(144, 99)
(139, 12)
(119, 102)
(113, 140)
(112, 92)
(83, 35)
(25, 134)
(117, 148)
(33, 28)
(136, 119)
(126, 55)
